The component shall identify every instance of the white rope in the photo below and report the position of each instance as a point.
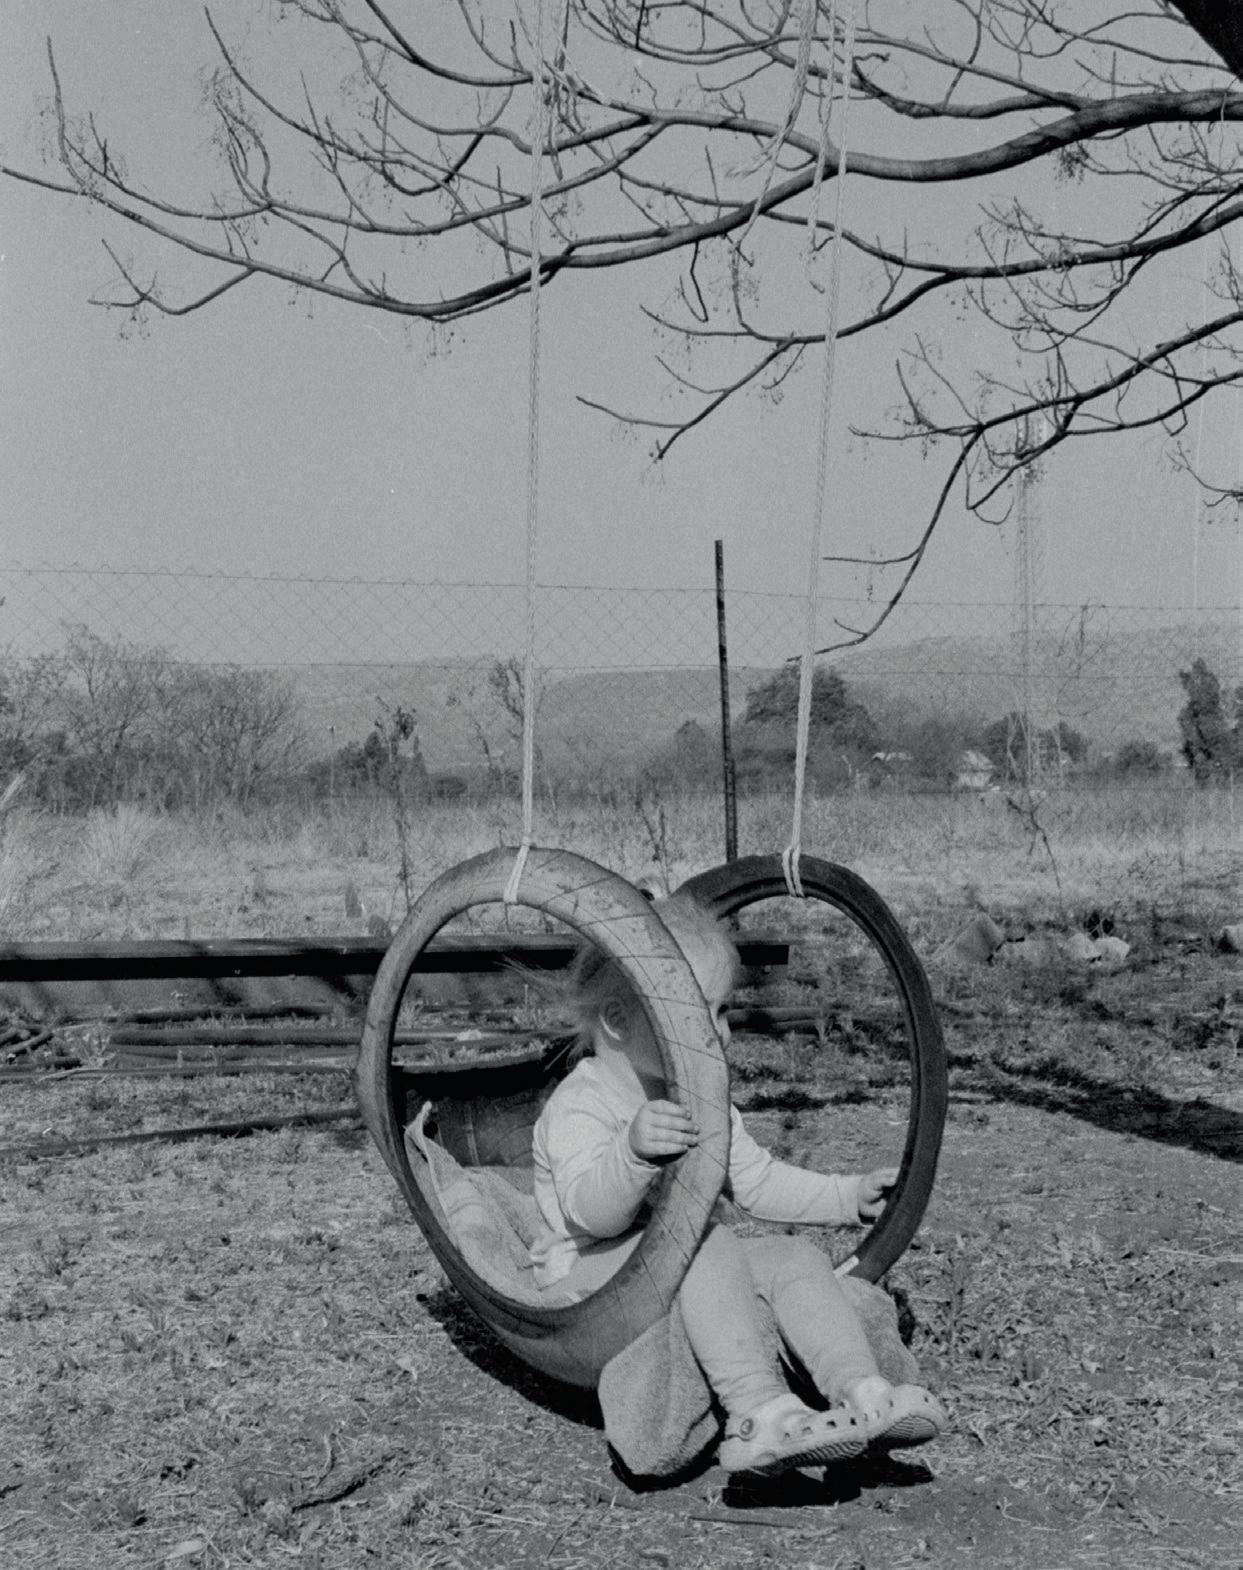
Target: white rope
(519, 867)
(538, 135)
(790, 857)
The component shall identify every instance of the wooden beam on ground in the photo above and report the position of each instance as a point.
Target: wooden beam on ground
(340, 956)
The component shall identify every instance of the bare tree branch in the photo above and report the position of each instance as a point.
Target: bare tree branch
(1040, 168)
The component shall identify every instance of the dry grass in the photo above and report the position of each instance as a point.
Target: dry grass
(117, 846)
(24, 841)
(221, 1353)
(238, 1352)
(130, 873)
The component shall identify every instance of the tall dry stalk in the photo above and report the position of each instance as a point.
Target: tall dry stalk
(116, 845)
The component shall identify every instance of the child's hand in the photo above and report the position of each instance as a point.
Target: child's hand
(874, 1191)
(661, 1129)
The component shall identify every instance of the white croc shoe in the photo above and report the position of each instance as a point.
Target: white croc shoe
(784, 1434)
(912, 1417)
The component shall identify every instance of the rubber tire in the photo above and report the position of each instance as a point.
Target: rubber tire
(571, 1343)
(732, 887)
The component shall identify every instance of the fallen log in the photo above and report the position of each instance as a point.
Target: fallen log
(64, 1147)
(290, 1036)
(191, 1014)
(73, 1070)
(29, 1045)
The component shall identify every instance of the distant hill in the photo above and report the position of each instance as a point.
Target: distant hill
(1112, 685)
(585, 716)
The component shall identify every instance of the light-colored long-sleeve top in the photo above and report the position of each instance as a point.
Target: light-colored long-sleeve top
(590, 1185)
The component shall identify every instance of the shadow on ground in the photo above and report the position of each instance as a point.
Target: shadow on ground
(836, 1485)
(1148, 1114)
(474, 1341)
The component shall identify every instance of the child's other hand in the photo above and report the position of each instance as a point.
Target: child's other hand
(661, 1129)
(874, 1191)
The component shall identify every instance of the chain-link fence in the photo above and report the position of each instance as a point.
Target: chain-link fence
(1112, 722)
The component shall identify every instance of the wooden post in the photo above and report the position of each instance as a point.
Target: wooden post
(727, 748)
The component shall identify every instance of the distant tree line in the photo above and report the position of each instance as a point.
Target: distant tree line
(850, 745)
(377, 764)
(104, 720)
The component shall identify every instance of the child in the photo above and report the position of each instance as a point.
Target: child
(599, 1144)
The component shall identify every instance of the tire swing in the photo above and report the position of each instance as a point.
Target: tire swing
(740, 883)
(730, 888)
(484, 1116)
(458, 1139)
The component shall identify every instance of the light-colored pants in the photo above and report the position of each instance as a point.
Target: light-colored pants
(720, 1299)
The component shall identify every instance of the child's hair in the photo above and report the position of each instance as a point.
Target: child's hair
(596, 978)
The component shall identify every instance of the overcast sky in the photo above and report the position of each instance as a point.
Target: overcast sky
(267, 436)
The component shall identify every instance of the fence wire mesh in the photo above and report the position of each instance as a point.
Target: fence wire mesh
(1111, 725)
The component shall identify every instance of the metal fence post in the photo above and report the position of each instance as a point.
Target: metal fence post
(727, 749)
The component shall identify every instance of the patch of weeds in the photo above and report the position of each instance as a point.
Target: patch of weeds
(1215, 1031)
(25, 1302)
(97, 1098)
(288, 1147)
(763, 1057)
(351, 1139)
(33, 1179)
(116, 846)
(129, 1510)
(153, 1307)
(57, 1253)
(411, 1502)
(122, 1509)
(250, 1492)
(130, 1341)
(395, 1214)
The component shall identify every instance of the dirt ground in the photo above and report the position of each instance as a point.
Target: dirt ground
(241, 1352)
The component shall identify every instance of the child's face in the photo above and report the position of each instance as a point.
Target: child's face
(714, 971)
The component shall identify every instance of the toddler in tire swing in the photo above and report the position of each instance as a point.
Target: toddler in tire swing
(600, 1143)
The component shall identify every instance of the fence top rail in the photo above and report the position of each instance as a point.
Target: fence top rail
(326, 956)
